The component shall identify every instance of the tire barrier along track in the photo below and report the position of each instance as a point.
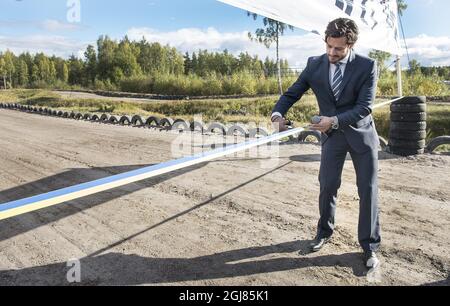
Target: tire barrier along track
(151, 122)
(407, 129)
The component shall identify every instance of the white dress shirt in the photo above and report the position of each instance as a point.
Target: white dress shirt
(344, 63)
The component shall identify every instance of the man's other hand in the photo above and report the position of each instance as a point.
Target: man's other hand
(279, 124)
(324, 126)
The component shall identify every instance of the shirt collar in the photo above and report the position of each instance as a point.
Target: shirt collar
(345, 60)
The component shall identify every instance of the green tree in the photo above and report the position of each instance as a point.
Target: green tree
(106, 49)
(52, 73)
(402, 6)
(43, 64)
(270, 33)
(22, 73)
(381, 57)
(125, 60)
(414, 67)
(9, 66)
(62, 71)
(91, 63)
(76, 70)
(3, 71)
(34, 74)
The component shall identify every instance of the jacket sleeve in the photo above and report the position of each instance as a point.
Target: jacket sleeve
(364, 102)
(294, 93)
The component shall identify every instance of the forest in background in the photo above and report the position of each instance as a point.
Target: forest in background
(149, 67)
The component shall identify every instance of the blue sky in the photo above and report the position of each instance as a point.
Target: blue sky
(42, 25)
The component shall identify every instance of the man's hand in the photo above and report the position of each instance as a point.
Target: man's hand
(324, 126)
(279, 124)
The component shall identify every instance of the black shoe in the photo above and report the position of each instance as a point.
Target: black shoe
(371, 260)
(318, 243)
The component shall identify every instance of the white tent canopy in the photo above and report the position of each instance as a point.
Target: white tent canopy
(377, 19)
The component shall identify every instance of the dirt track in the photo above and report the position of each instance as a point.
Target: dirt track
(227, 222)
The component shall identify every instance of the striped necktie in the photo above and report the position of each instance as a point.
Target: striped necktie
(337, 81)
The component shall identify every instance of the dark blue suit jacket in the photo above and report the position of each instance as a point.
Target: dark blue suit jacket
(354, 107)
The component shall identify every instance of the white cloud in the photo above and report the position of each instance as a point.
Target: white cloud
(55, 25)
(428, 50)
(49, 44)
(50, 25)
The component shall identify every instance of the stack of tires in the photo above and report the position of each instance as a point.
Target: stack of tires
(408, 133)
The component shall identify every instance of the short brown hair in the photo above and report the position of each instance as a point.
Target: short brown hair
(343, 27)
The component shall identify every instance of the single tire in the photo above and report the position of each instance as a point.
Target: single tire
(95, 118)
(405, 152)
(104, 118)
(255, 132)
(197, 126)
(113, 120)
(125, 120)
(237, 130)
(303, 136)
(407, 144)
(87, 117)
(436, 142)
(181, 125)
(408, 135)
(166, 123)
(152, 121)
(408, 126)
(408, 108)
(412, 100)
(79, 116)
(65, 115)
(409, 117)
(137, 120)
(216, 126)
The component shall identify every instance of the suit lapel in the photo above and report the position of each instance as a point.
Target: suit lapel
(325, 74)
(348, 71)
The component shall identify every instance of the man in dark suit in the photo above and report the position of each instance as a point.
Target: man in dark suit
(345, 85)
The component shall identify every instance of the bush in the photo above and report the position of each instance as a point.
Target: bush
(413, 85)
(212, 84)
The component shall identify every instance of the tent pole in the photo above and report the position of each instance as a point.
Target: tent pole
(399, 77)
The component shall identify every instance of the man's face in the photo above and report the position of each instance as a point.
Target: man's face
(337, 49)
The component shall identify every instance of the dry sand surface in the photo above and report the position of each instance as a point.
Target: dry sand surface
(240, 220)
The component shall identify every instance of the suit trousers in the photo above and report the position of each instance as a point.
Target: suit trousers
(334, 153)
